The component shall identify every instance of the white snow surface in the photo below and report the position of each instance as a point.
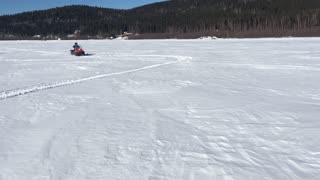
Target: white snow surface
(230, 109)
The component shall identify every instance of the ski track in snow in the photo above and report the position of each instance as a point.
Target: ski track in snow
(36, 88)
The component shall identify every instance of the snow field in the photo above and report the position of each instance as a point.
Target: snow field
(160, 109)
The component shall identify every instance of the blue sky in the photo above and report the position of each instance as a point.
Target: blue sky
(16, 6)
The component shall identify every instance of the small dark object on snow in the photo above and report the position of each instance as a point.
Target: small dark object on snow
(76, 46)
(77, 52)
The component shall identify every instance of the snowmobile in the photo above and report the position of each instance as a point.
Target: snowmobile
(78, 52)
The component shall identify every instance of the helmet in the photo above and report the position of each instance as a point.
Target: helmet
(75, 43)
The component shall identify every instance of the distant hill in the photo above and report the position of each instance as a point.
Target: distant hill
(175, 18)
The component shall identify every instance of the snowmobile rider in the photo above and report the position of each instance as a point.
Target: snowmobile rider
(76, 46)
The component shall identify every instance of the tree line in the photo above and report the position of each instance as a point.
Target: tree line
(175, 18)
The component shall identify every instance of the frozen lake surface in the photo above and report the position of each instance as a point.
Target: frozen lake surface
(160, 110)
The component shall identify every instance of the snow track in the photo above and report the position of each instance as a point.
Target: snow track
(36, 88)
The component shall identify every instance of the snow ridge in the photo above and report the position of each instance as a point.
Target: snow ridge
(36, 88)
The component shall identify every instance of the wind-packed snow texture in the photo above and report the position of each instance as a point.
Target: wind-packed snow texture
(160, 110)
